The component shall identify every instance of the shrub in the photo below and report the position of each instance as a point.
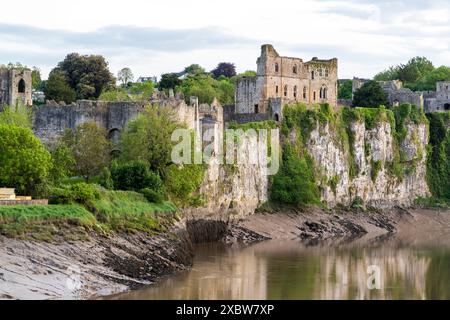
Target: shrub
(182, 182)
(135, 176)
(81, 192)
(154, 196)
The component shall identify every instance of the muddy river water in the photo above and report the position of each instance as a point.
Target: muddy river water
(295, 270)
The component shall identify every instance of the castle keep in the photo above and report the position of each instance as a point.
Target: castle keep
(285, 80)
(15, 87)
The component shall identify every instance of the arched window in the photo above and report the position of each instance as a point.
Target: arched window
(295, 91)
(294, 69)
(305, 91)
(277, 117)
(325, 93)
(22, 86)
(326, 72)
(285, 90)
(312, 75)
(276, 67)
(320, 93)
(276, 90)
(314, 96)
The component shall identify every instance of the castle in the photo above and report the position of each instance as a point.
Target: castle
(15, 86)
(430, 101)
(285, 80)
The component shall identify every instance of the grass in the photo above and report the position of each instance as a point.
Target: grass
(114, 211)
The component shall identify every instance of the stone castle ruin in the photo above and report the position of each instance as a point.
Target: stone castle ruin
(430, 101)
(15, 86)
(285, 80)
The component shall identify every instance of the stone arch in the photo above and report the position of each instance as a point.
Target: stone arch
(277, 68)
(295, 91)
(21, 87)
(294, 69)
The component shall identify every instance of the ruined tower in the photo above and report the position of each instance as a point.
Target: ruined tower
(15, 86)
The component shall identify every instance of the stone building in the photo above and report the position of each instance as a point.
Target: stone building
(285, 80)
(15, 87)
(431, 101)
(439, 100)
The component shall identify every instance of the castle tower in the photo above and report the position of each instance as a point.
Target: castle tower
(15, 87)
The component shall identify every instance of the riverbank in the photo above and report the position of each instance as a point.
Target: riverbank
(105, 265)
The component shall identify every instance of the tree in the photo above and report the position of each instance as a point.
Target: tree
(125, 76)
(88, 75)
(135, 176)
(370, 95)
(36, 78)
(206, 88)
(24, 162)
(56, 88)
(415, 69)
(89, 147)
(345, 90)
(148, 138)
(428, 82)
(194, 69)
(226, 69)
(169, 81)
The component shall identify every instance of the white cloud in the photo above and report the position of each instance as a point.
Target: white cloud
(154, 37)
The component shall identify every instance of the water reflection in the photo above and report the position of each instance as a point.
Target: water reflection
(292, 270)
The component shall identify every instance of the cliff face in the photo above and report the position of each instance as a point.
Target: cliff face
(231, 190)
(373, 155)
(376, 158)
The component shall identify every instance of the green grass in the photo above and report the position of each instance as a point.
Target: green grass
(44, 222)
(114, 211)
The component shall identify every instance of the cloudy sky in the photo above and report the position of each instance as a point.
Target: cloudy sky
(154, 37)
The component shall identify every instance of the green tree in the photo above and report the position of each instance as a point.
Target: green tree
(63, 163)
(345, 90)
(206, 88)
(56, 88)
(415, 69)
(194, 69)
(125, 76)
(135, 176)
(88, 75)
(24, 162)
(390, 74)
(148, 138)
(36, 78)
(89, 147)
(169, 81)
(225, 69)
(428, 82)
(370, 95)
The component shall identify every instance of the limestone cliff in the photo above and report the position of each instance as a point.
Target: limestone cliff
(374, 157)
(373, 154)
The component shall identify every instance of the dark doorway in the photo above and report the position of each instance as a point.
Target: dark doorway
(256, 108)
(447, 106)
(277, 117)
(21, 88)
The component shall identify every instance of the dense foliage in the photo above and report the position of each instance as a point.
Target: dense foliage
(225, 69)
(87, 75)
(370, 95)
(24, 162)
(90, 148)
(345, 90)
(438, 169)
(417, 74)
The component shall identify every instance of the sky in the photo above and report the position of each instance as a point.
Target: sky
(155, 37)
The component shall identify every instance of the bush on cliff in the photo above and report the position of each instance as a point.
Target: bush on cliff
(370, 95)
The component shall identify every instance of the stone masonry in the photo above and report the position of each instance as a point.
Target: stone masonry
(15, 87)
(285, 80)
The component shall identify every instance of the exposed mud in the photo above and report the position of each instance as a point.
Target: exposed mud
(109, 265)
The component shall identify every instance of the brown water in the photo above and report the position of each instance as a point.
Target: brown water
(292, 270)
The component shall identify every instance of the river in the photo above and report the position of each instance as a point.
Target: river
(295, 270)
